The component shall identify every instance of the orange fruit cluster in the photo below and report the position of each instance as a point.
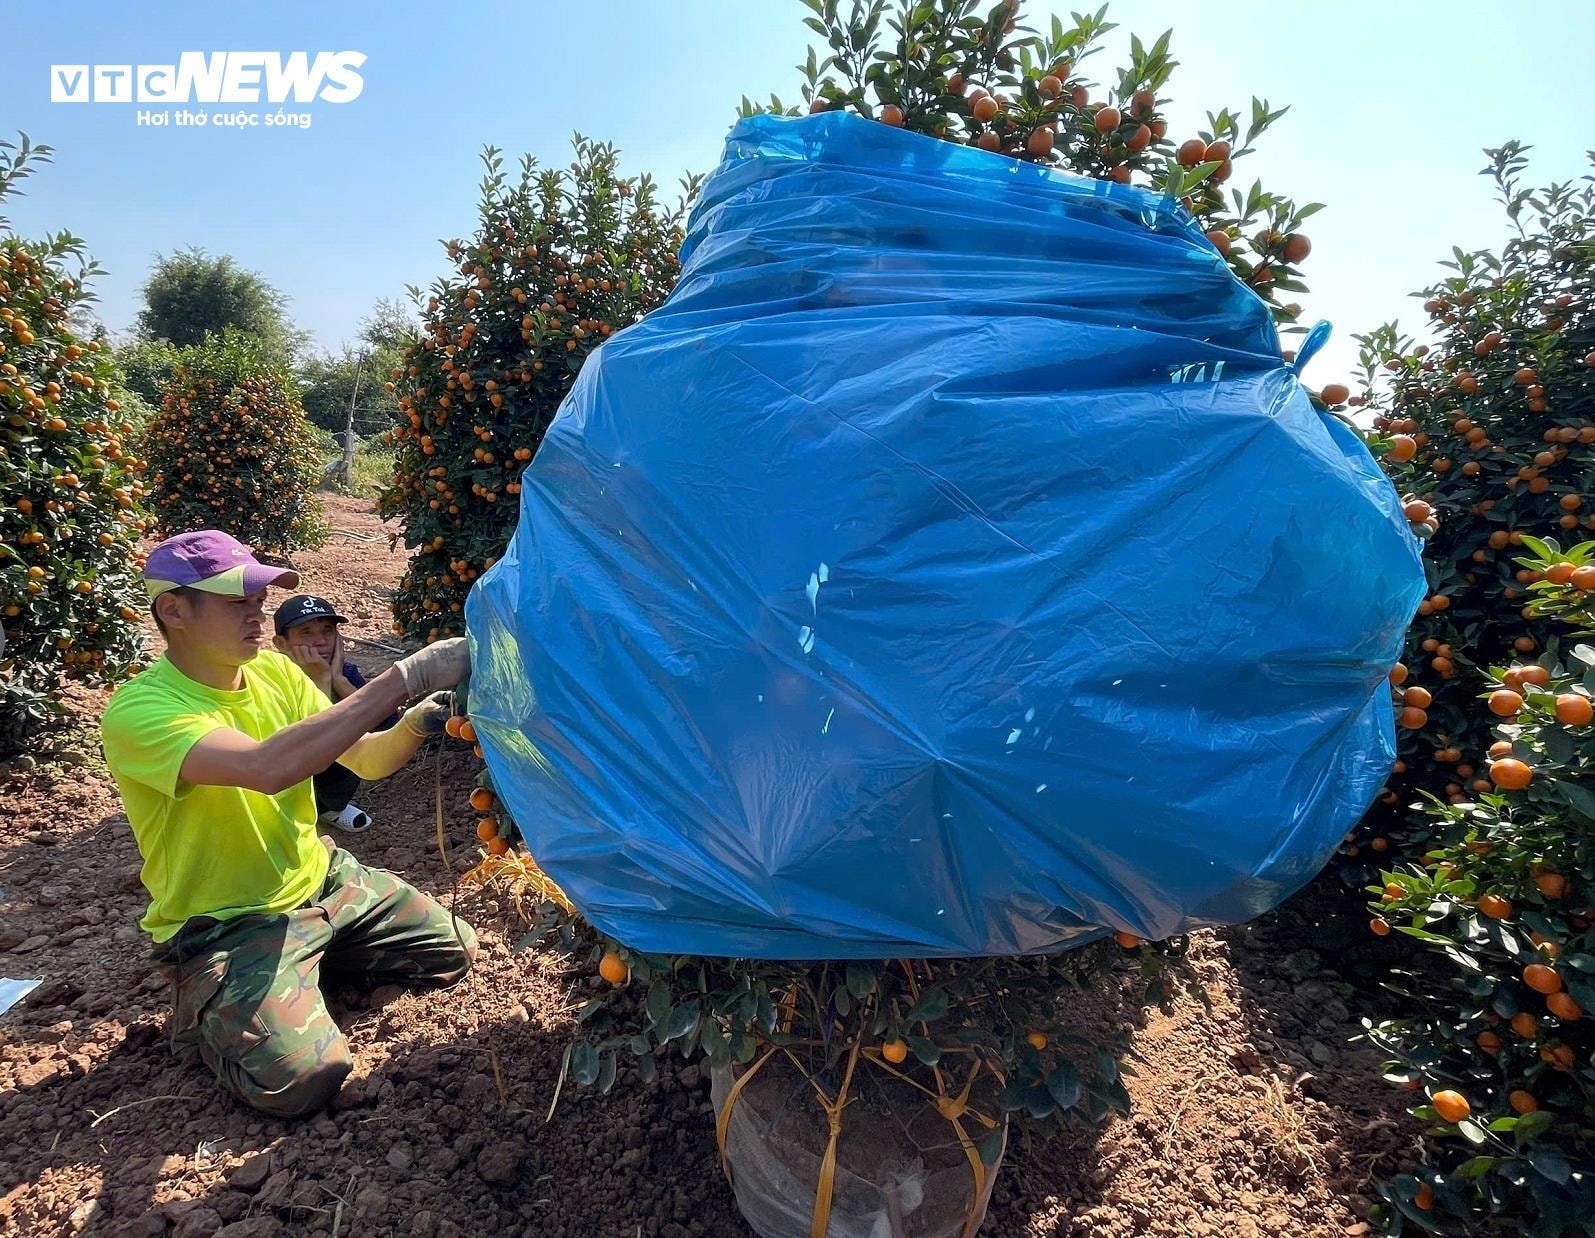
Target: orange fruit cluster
(70, 594)
(231, 449)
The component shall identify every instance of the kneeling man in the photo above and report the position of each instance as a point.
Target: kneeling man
(213, 749)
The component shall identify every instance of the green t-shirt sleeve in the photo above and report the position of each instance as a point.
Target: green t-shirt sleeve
(147, 743)
(148, 734)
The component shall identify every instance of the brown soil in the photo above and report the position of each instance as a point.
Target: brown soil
(1254, 1117)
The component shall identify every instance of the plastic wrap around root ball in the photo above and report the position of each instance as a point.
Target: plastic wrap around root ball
(900, 1171)
(951, 566)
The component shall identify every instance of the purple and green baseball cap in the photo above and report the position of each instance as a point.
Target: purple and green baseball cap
(214, 562)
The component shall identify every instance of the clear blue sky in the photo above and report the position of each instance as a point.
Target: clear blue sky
(1391, 103)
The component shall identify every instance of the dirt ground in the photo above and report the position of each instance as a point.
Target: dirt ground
(1255, 1117)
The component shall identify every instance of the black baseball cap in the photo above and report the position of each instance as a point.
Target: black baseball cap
(301, 608)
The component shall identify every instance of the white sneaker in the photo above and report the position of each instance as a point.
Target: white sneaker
(351, 819)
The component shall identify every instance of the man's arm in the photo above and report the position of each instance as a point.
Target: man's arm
(228, 758)
(380, 753)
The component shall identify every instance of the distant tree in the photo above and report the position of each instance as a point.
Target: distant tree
(191, 294)
(327, 381)
(390, 325)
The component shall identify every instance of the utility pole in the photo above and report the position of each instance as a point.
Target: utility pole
(348, 431)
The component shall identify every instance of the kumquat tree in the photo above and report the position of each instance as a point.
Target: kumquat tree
(561, 259)
(230, 449)
(70, 596)
(976, 74)
(1498, 1042)
(1482, 850)
(1491, 432)
(889, 688)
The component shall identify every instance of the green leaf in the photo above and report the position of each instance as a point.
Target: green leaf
(1544, 549)
(584, 1064)
(1475, 1167)
(1581, 798)
(658, 1004)
(1038, 1102)
(606, 1072)
(1550, 1164)
(714, 1043)
(1581, 990)
(1195, 176)
(1011, 1097)
(683, 1019)
(1423, 934)
(1117, 1096)
(1531, 1125)
(860, 979)
(1472, 1131)
(926, 1051)
(1064, 1084)
(1559, 747)
(990, 1145)
(932, 1005)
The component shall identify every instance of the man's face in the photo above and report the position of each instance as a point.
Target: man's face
(320, 635)
(230, 629)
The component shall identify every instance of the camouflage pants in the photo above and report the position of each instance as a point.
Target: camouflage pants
(248, 991)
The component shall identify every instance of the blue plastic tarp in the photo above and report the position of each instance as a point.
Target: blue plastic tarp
(951, 566)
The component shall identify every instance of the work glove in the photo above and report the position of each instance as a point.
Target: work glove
(427, 717)
(439, 665)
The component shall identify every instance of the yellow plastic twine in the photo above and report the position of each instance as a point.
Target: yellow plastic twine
(723, 1120)
(953, 1108)
(443, 849)
(820, 1219)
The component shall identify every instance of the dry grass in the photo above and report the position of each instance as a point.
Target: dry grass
(515, 873)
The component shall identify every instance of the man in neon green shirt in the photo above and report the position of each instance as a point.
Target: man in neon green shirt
(213, 749)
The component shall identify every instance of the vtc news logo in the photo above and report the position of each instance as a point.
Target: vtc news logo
(215, 77)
